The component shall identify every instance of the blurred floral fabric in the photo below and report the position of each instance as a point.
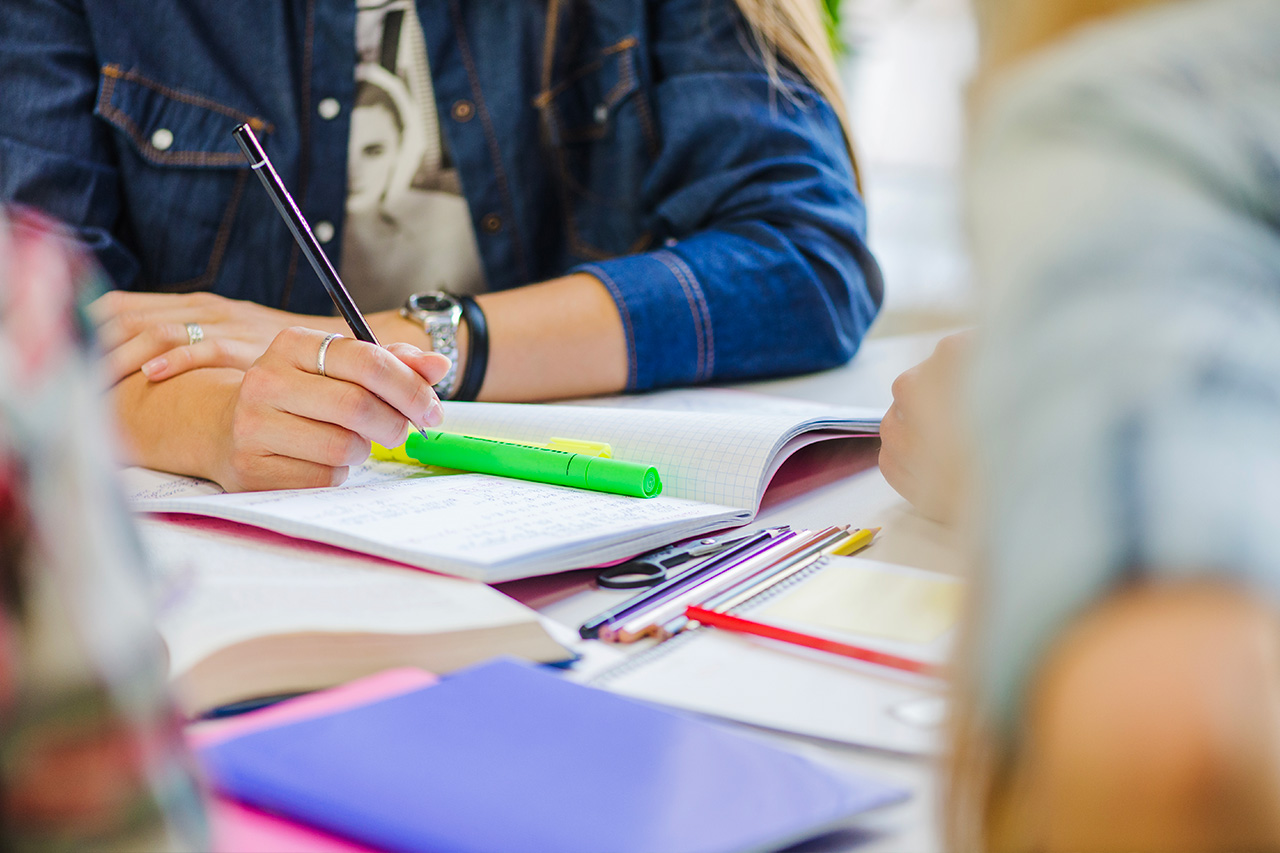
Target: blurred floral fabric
(90, 750)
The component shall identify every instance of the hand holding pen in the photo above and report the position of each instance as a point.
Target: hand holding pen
(310, 406)
(292, 427)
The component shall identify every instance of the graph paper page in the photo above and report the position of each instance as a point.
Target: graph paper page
(708, 447)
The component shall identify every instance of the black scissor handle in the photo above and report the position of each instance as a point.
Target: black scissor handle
(653, 568)
(632, 574)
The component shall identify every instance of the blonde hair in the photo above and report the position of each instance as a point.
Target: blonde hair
(796, 31)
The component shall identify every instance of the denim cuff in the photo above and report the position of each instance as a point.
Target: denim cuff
(665, 317)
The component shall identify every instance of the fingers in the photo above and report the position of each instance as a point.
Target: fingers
(255, 473)
(130, 354)
(336, 404)
(275, 444)
(431, 366)
(293, 428)
(374, 370)
(220, 352)
(896, 455)
(121, 315)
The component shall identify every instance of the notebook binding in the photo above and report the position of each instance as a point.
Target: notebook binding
(639, 660)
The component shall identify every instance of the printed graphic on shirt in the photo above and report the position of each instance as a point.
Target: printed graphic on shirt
(408, 227)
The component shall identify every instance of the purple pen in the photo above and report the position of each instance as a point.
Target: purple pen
(748, 547)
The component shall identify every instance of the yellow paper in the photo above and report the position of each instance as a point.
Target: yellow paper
(860, 598)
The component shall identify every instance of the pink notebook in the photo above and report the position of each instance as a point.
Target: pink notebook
(240, 829)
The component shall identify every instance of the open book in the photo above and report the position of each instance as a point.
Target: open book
(245, 618)
(716, 451)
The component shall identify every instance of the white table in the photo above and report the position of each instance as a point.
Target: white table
(906, 538)
(863, 499)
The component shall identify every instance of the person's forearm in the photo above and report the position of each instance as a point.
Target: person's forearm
(177, 425)
(558, 339)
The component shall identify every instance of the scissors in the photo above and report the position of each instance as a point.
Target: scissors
(653, 568)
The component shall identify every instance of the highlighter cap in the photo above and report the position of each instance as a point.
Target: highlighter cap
(615, 476)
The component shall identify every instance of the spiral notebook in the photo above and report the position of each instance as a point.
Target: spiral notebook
(888, 608)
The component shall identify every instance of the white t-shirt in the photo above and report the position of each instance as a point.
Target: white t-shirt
(408, 226)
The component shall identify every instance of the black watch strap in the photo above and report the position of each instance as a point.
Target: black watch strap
(477, 350)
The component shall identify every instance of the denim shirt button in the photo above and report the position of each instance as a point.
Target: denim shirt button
(162, 139)
(492, 223)
(324, 231)
(329, 108)
(463, 110)
(601, 114)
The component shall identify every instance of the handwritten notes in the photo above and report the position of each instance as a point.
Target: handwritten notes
(489, 528)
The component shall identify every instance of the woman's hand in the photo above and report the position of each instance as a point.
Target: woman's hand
(148, 331)
(923, 452)
(290, 427)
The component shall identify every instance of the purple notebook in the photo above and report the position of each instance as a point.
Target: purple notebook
(504, 757)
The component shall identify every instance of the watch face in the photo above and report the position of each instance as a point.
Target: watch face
(433, 302)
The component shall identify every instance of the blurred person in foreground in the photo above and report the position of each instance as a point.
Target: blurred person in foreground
(1121, 685)
(91, 756)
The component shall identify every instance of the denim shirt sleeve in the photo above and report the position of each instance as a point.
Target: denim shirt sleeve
(54, 155)
(769, 273)
(1124, 190)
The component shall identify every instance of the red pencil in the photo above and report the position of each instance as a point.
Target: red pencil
(759, 629)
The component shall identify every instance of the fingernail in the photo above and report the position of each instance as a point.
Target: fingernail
(434, 416)
(154, 366)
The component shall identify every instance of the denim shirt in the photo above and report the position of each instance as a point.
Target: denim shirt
(640, 142)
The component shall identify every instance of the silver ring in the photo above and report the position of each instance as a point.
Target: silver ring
(195, 334)
(324, 347)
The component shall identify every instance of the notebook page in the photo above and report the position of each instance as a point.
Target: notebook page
(489, 528)
(719, 456)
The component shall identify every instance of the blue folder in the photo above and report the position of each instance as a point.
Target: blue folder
(504, 757)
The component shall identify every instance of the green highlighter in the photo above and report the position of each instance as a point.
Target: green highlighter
(528, 462)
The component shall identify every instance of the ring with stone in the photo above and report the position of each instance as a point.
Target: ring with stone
(324, 347)
(195, 334)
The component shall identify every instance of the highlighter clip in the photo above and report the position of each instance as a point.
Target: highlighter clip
(599, 449)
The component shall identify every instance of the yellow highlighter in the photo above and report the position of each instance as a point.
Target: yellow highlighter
(567, 445)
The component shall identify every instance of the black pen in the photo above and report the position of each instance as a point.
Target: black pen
(297, 223)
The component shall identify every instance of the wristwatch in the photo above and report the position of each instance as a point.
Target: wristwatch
(439, 313)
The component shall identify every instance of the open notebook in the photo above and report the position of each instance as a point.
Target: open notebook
(716, 450)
